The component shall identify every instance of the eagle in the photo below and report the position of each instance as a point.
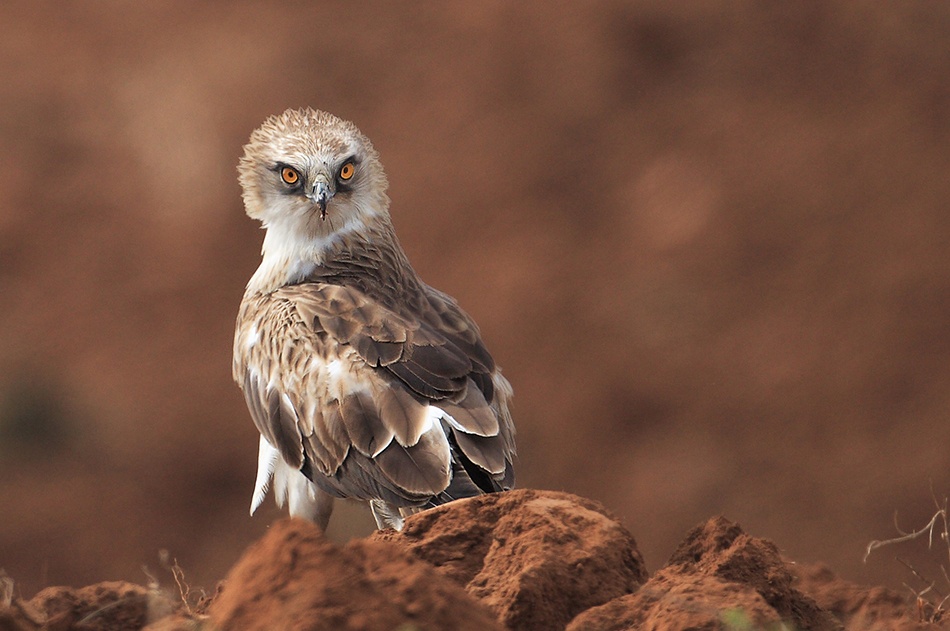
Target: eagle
(363, 381)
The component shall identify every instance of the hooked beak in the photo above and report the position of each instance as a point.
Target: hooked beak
(320, 195)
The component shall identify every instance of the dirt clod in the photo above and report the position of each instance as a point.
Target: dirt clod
(513, 551)
(718, 572)
(295, 579)
(107, 606)
(860, 607)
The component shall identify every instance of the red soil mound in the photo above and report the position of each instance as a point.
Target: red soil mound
(101, 607)
(513, 551)
(718, 573)
(860, 607)
(519, 560)
(294, 578)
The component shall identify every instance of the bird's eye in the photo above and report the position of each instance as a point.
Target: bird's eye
(289, 176)
(347, 171)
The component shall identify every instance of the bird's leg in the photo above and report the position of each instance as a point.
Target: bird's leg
(313, 504)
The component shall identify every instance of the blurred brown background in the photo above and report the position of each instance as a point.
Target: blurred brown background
(708, 242)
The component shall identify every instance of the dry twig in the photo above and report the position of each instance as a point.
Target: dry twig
(929, 608)
(6, 589)
(184, 589)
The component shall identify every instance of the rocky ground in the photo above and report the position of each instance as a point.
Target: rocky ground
(521, 560)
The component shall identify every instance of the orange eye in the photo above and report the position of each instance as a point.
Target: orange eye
(347, 171)
(289, 176)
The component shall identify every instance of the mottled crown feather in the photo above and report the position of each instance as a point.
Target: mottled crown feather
(303, 131)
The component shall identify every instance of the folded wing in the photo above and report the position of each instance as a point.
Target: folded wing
(374, 404)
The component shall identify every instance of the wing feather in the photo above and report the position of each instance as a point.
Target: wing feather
(377, 353)
(423, 469)
(403, 414)
(472, 414)
(425, 383)
(443, 360)
(274, 415)
(289, 440)
(327, 444)
(254, 396)
(359, 477)
(485, 451)
(363, 424)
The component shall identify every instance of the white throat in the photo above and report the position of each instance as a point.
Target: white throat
(289, 256)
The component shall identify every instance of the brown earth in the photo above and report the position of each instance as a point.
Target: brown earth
(524, 560)
(708, 243)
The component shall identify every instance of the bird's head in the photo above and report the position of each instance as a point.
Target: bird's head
(311, 175)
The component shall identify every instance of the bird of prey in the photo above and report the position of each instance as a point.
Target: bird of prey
(363, 381)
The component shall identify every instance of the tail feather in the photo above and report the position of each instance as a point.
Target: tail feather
(266, 460)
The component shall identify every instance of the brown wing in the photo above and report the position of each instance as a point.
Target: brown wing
(344, 388)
